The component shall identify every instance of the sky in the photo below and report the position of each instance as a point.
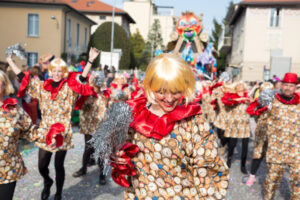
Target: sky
(210, 8)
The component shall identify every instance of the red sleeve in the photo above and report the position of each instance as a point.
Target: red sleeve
(80, 101)
(121, 172)
(254, 109)
(24, 84)
(55, 131)
(76, 86)
(227, 100)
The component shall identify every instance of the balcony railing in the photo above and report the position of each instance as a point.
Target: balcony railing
(225, 40)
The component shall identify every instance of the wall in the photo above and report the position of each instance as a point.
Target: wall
(76, 19)
(167, 27)
(141, 12)
(13, 28)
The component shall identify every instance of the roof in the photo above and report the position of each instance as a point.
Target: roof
(49, 3)
(96, 6)
(259, 3)
(271, 1)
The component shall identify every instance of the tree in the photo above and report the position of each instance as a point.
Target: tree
(138, 46)
(154, 36)
(221, 59)
(101, 39)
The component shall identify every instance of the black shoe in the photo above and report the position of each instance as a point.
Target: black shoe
(244, 170)
(229, 162)
(57, 197)
(46, 191)
(102, 180)
(79, 173)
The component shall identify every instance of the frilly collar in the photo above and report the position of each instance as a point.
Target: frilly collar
(152, 126)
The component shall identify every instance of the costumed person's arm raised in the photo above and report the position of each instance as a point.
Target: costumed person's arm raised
(78, 82)
(31, 85)
(207, 162)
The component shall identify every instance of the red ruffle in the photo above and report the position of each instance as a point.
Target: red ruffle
(84, 90)
(113, 85)
(24, 84)
(81, 100)
(55, 131)
(294, 101)
(218, 84)
(9, 103)
(135, 92)
(121, 171)
(198, 98)
(254, 108)
(106, 93)
(54, 91)
(151, 125)
(228, 99)
(214, 103)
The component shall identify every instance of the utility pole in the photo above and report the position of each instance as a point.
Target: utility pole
(112, 34)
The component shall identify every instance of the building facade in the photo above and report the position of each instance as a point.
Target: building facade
(263, 39)
(43, 27)
(144, 12)
(100, 12)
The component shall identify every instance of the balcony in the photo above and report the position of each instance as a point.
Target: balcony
(225, 40)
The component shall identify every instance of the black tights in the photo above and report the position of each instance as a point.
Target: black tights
(7, 191)
(88, 151)
(231, 146)
(223, 139)
(255, 165)
(44, 161)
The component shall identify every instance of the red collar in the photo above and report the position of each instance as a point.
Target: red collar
(218, 84)
(150, 125)
(8, 104)
(54, 91)
(113, 85)
(294, 101)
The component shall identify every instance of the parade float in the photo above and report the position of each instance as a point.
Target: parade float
(192, 44)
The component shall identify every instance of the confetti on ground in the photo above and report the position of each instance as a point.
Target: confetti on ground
(88, 188)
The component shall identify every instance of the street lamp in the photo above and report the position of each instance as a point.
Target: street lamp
(54, 18)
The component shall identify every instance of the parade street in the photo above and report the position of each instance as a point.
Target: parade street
(30, 186)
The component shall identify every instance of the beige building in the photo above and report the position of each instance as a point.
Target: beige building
(43, 26)
(101, 12)
(263, 39)
(144, 12)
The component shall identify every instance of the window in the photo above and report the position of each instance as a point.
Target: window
(85, 37)
(275, 17)
(77, 35)
(102, 17)
(69, 33)
(32, 58)
(33, 25)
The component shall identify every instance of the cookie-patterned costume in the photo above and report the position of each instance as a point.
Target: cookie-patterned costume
(238, 126)
(283, 145)
(56, 104)
(210, 113)
(221, 116)
(238, 119)
(15, 123)
(178, 156)
(92, 113)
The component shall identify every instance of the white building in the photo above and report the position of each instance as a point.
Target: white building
(101, 12)
(144, 12)
(263, 39)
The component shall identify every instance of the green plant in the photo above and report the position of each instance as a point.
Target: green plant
(101, 39)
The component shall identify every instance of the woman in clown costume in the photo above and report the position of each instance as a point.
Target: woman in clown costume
(177, 156)
(56, 97)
